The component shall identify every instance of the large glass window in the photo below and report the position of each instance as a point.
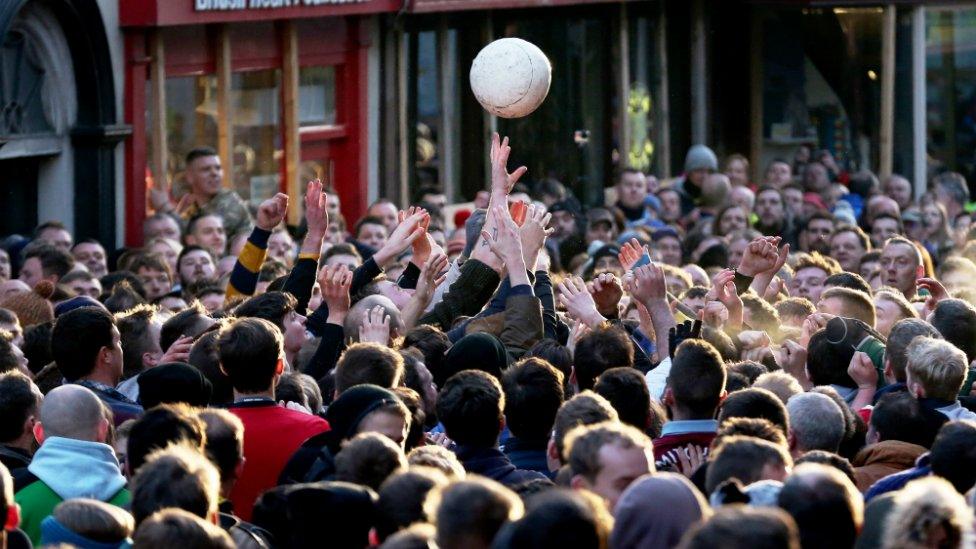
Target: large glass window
(316, 101)
(821, 83)
(641, 105)
(258, 149)
(191, 122)
(951, 88)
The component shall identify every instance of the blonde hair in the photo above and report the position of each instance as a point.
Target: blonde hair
(927, 509)
(938, 366)
(583, 444)
(856, 304)
(826, 264)
(898, 298)
(780, 383)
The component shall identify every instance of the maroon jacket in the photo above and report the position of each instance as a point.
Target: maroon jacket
(678, 434)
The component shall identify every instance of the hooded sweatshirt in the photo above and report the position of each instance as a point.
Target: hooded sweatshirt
(65, 468)
(655, 511)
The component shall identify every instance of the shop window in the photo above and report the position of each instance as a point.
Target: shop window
(191, 122)
(951, 88)
(317, 96)
(258, 149)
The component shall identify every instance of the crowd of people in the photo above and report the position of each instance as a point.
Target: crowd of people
(701, 362)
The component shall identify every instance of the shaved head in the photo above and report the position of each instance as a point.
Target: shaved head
(72, 411)
(354, 319)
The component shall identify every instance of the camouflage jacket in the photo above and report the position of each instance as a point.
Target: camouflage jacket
(228, 205)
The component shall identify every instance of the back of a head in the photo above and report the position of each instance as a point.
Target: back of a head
(816, 496)
(556, 354)
(655, 511)
(469, 513)
(270, 306)
(755, 403)
(533, 395)
(848, 281)
(937, 366)
(470, 407)
(900, 416)
(477, 351)
(816, 422)
(160, 427)
(178, 476)
(204, 356)
(827, 361)
(437, 457)
(697, 379)
(627, 392)
(583, 446)
(956, 321)
(741, 527)
(559, 518)
(420, 535)
(586, 408)
(369, 459)
(368, 363)
(225, 440)
(72, 411)
(6, 490)
(191, 321)
(337, 513)
(780, 383)
(750, 427)
(402, 496)
(928, 512)
(747, 459)
(598, 351)
(94, 520)
(250, 351)
(174, 382)
(77, 338)
(855, 303)
(19, 399)
(433, 343)
(953, 455)
(901, 336)
(177, 528)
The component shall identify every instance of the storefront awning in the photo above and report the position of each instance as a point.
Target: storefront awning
(160, 13)
(431, 6)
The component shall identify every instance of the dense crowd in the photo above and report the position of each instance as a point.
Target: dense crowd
(702, 362)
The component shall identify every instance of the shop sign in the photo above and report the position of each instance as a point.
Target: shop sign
(241, 5)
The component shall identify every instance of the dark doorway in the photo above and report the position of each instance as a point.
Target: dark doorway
(18, 195)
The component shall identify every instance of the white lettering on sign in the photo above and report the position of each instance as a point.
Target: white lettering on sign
(232, 5)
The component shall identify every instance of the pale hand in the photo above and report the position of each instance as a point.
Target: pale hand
(501, 180)
(272, 211)
(179, 351)
(760, 256)
(533, 233)
(316, 213)
(649, 284)
(630, 254)
(606, 291)
(334, 283)
(862, 371)
(578, 301)
(375, 327)
(506, 244)
(432, 275)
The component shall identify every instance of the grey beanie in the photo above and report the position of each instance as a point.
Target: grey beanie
(700, 157)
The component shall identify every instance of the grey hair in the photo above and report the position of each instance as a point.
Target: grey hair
(817, 423)
(954, 185)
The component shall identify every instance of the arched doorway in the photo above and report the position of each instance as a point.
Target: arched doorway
(57, 118)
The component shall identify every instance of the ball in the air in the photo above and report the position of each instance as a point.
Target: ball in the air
(510, 77)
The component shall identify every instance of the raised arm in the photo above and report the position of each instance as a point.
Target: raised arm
(244, 277)
(301, 279)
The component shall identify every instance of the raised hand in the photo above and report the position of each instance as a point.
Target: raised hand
(533, 233)
(179, 351)
(501, 180)
(507, 244)
(649, 285)
(862, 371)
(375, 327)
(678, 334)
(334, 283)
(760, 256)
(272, 211)
(792, 357)
(578, 301)
(606, 291)
(316, 214)
(723, 291)
(432, 275)
(402, 237)
(937, 292)
(630, 254)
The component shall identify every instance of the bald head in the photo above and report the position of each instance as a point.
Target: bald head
(354, 319)
(72, 411)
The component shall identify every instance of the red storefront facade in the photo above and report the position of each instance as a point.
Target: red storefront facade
(278, 87)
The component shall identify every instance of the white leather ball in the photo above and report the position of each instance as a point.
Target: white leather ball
(510, 77)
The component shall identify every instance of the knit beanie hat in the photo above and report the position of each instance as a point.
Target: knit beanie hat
(700, 157)
(32, 307)
(352, 407)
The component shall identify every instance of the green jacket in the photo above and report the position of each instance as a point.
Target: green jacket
(37, 501)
